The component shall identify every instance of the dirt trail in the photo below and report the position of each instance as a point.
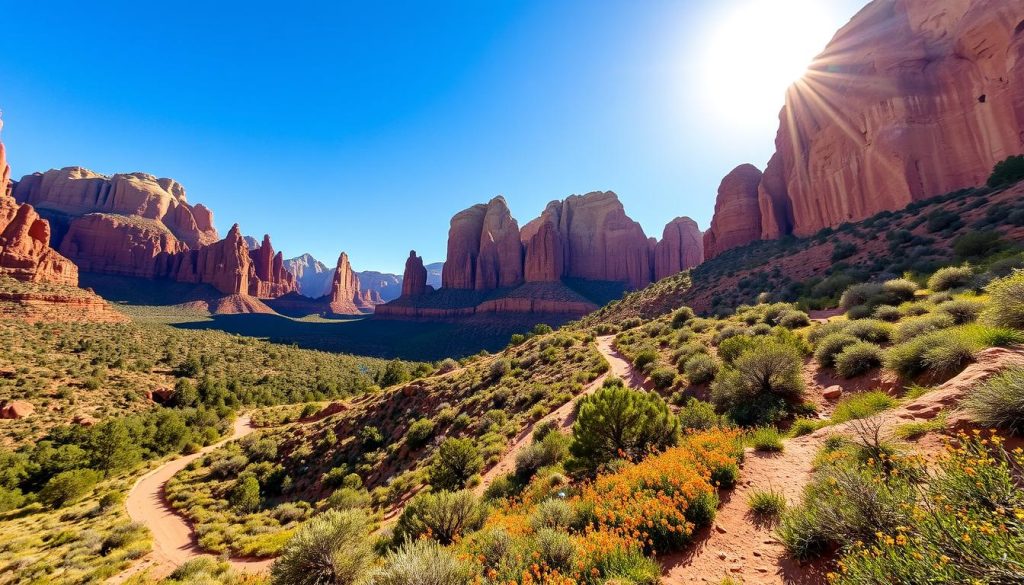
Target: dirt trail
(738, 546)
(174, 542)
(564, 415)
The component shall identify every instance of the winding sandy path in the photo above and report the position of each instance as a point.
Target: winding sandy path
(174, 541)
(565, 414)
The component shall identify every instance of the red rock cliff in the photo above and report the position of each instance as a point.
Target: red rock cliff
(911, 99)
(681, 247)
(414, 282)
(346, 298)
(484, 251)
(25, 252)
(737, 219)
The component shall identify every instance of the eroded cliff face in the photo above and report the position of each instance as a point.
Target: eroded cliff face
(681, 248)
(414, 280)
(911, 99)
(25, 252)
(75, 191)
(484, 251)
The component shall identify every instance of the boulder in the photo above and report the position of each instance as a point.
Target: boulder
(16, 409)
(737, 219)
(681, 248)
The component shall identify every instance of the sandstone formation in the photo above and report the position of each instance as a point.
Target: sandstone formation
(16, 409)
(681, 248)
(231, 268)
(414, 281)
(312, 277)
(484, 251)
(346, 297)
(25, 252)
(121, 245)
(911, 99)
(74, 191)
(737, 219)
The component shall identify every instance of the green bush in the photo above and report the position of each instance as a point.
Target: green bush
(962, 311)
(423, 562)
(999, 401)
(348, 499)
(1007, 171)
(443, 516)
(617, 422)
(898, 290)
(858, 358)
(805, 426)
(887, 313)
(766, 503)
(67, 487)
(830, 347)
(697, 415)
(859, 294)
(550, 450)
(420, 431)
(555, 549)
(763, 383)
(862, 405)
(819, 332)
(553, 513)
(870, 330)
(973, 245)
(455, 461)
(245, 493)
(333, 547)
(644, 358)
(914, 328)
(700, 369)
(1006, 304)
(681, 317)
(794, 320)
(951, 278)
(767, 439)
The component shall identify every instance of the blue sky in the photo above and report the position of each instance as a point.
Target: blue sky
(363, 126)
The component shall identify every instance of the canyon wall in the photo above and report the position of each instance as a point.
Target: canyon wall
(911, 99)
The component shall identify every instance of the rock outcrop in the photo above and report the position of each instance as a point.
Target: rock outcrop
(231, 268)
(25, 252)
(272, 280)
(737, 219)
(75, 191)
(681, 248)
(911, 99)
(414, 280)
(16, 409)
(484, 251)
(346, 297)
(312, 277)
(121, 245)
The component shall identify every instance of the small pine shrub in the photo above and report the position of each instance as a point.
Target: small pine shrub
(663, 378)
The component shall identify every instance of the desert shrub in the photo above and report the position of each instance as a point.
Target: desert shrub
(858, 358)
(423, 562)
(697, 415)
(859, 312)
(962, 311)
(552, 448)
(731, 348)
(859, 294)
(762, 383)
(819, 332)
(794, 320)
(553, 513)
(663, 378)
(766, 439)
(645, 357)
(333, 547)
(887, 313)
(966, 539)
(1007, 171)
(999, 401)
(728, 332)
(443, 516)
(918, 326)
(687, 351)
(951, 278)
(898, 290)
(681, 317)
(447, 365)
(420, 431)
(1006, 304)
(842, 250)
(67, 487)
(862, 405)
(455, 461)
(555, 549)
(499, 368)
(942, 219)
(870, 330)
(830, 347)
(665, 497)
(371, 437)
(766, 503)
(617, 422)
(245, 493)
(700, 369)
(973, 245)
(348, 499)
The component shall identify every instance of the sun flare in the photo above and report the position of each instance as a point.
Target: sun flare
(756, 51)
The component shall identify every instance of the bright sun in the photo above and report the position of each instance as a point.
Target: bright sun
(757, 50)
